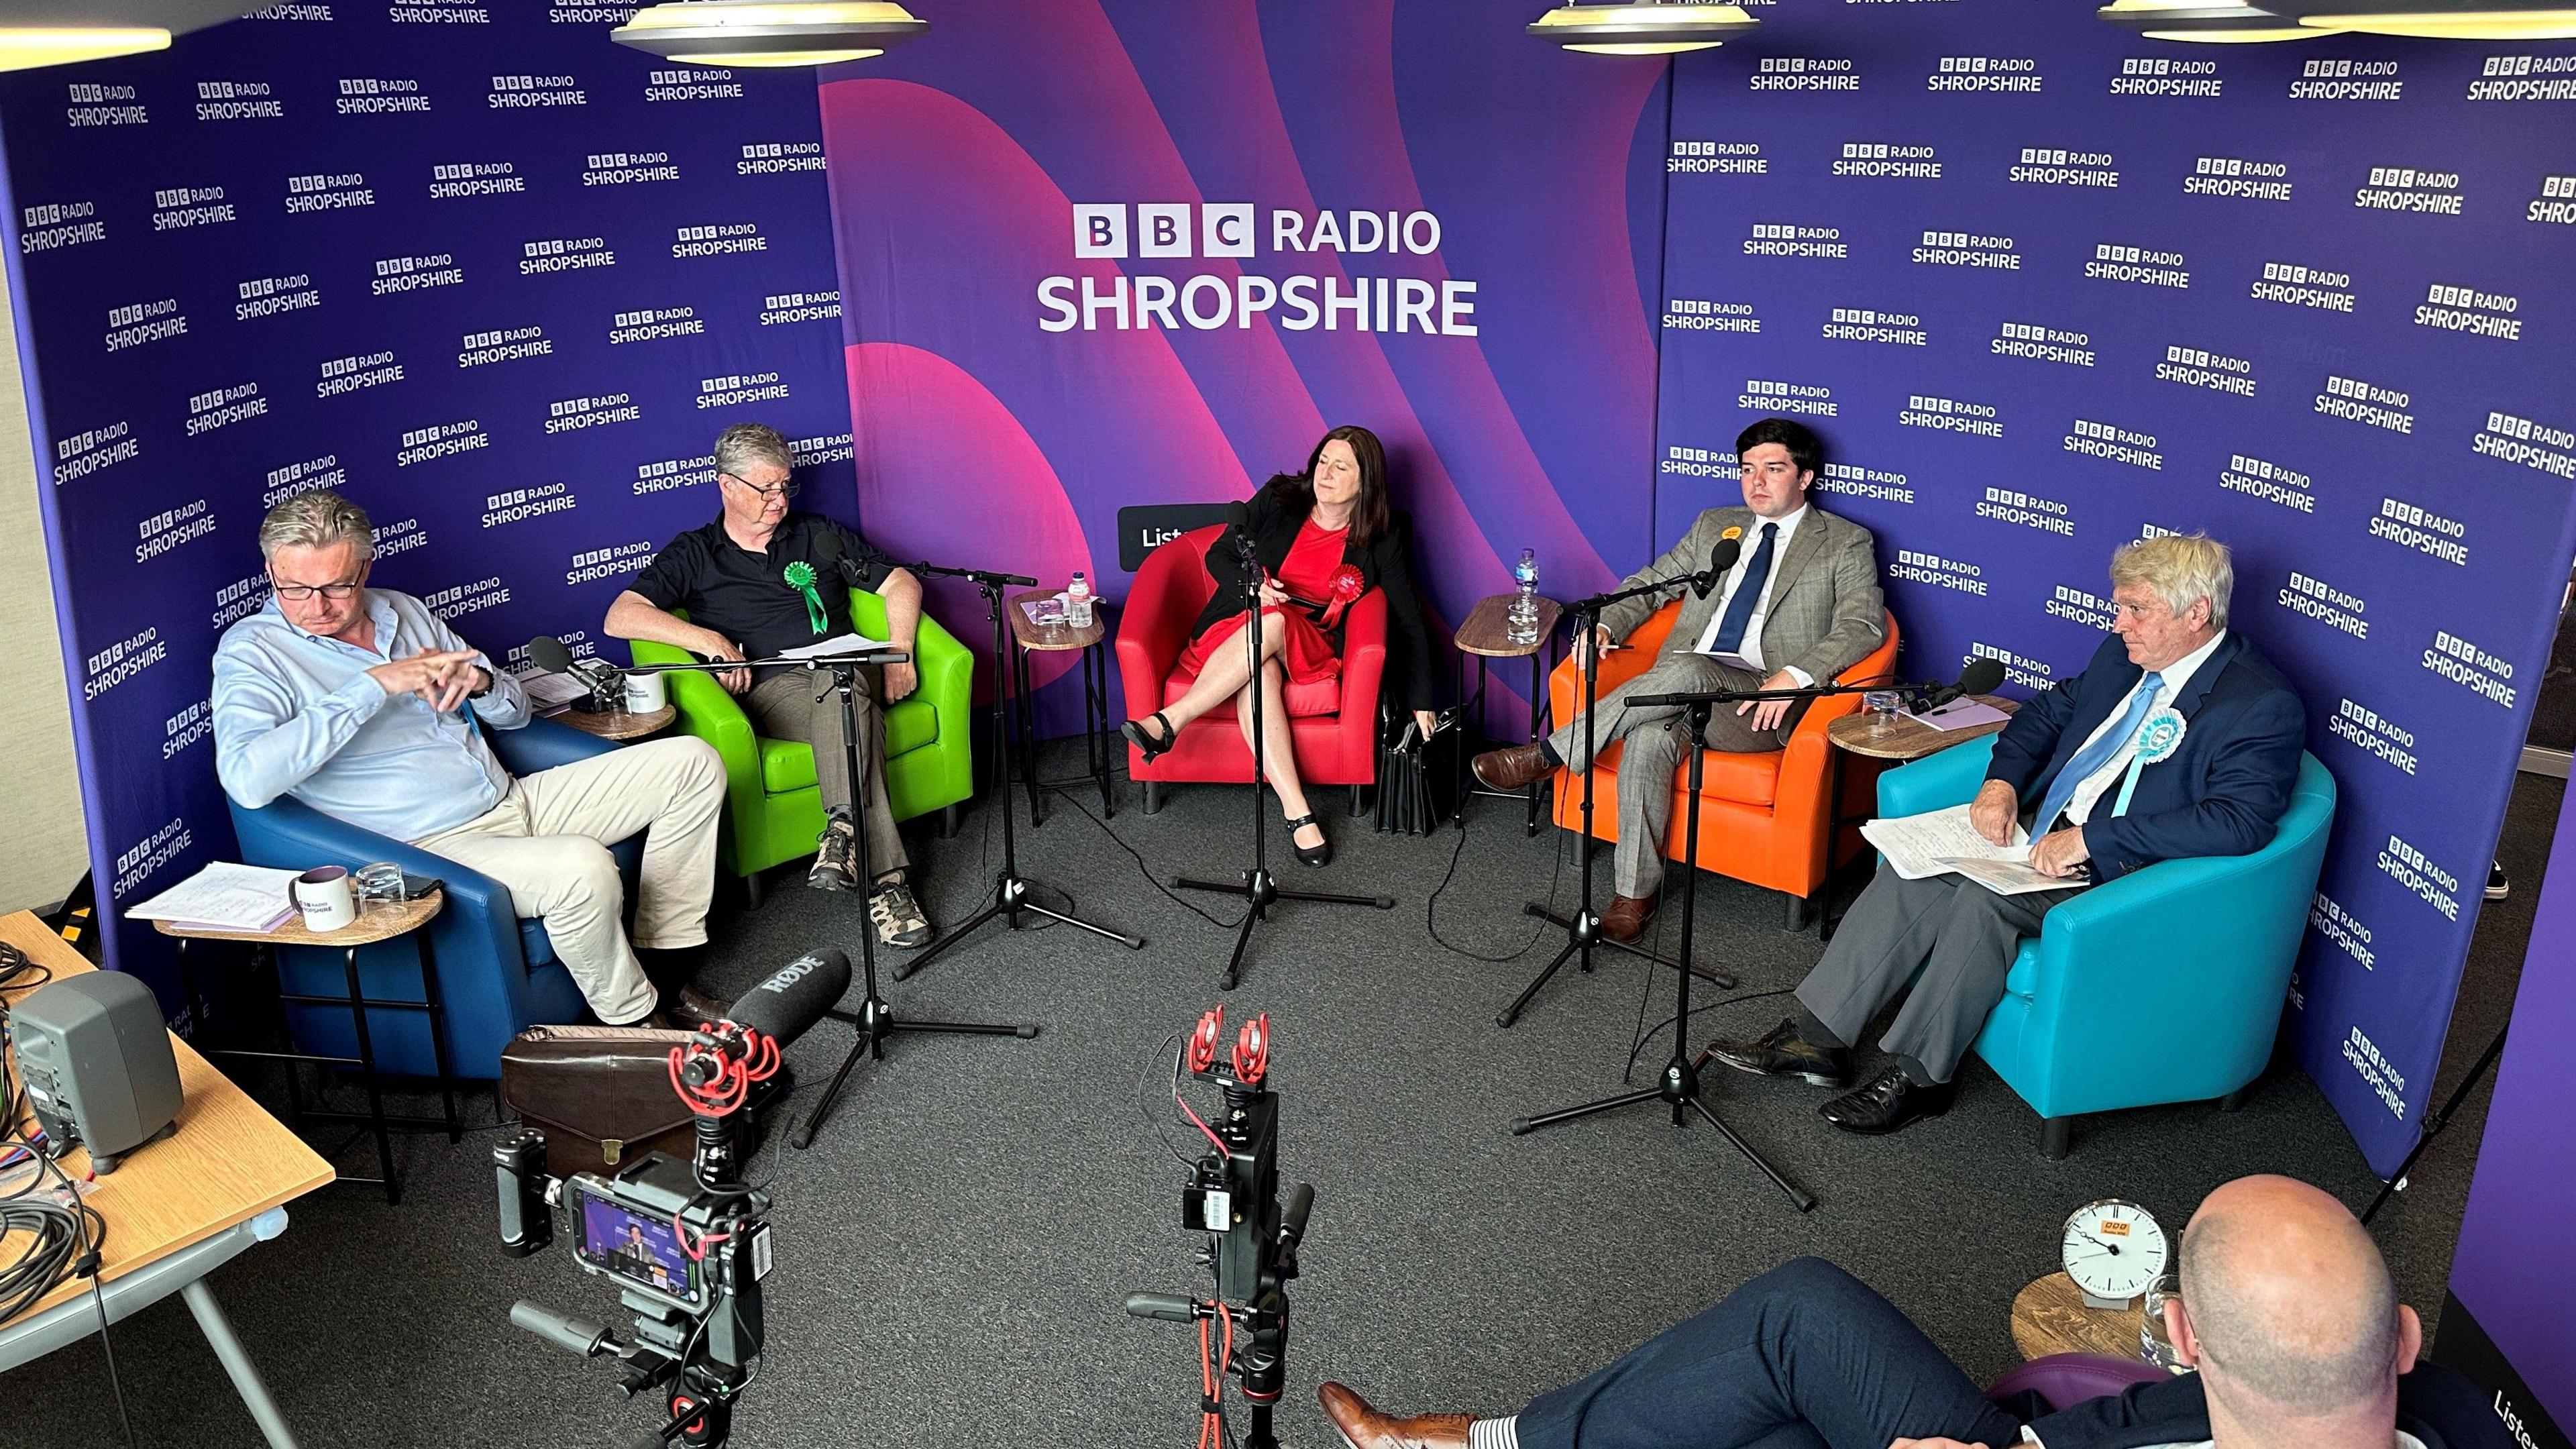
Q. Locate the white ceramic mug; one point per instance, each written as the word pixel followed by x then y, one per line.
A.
pixel 326 900
pixel 645 693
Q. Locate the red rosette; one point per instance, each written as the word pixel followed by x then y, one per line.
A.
pixel 1347 585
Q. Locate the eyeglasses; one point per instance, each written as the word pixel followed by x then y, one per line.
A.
pixel 783 489
pixel 299 593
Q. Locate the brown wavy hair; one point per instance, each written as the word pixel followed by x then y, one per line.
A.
pixel 1372 515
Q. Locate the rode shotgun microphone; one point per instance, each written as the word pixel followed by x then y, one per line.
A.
pixel 1720 559
pixel 794 997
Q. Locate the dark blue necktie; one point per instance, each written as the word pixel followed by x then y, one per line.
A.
pixel 1739 610
pixel 2061 792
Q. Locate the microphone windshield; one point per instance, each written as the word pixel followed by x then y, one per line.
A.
pixel 1982 676
pixel 549 654
pixel 1723 557
pixel 1238 515
pixel 795 996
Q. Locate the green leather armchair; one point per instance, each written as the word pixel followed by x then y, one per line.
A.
pixel 773 811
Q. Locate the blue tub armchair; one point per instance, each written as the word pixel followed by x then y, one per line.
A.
pixel 497 974
pixel 2165 985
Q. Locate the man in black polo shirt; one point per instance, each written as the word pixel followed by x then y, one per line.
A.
pixel 753 583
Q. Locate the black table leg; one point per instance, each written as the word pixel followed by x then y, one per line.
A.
pixel 437 1014
pixel 1095 708
pixel 1538 703
pixel 1025 711
pixel 375 1086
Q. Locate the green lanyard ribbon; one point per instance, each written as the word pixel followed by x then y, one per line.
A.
pixel 800 577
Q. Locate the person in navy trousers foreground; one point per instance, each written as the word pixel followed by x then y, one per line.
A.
pixel 2178 739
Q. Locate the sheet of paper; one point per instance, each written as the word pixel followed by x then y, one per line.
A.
pixel 1920 846
pixel 838 644
pixel 1730 659
pixel 549 689
pixel 226 895
pixel 1959 714
pixel 2008 877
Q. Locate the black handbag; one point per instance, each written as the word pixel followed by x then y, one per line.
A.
pixel 1420 782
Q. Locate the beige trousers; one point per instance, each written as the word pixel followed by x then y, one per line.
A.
pixel 548 842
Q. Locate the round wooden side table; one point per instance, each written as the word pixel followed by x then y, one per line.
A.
pixel 620 725
pixel 2049 1316
pixel 377 921
pixel 1028 636
pixel 1486 634
pixel 1898 741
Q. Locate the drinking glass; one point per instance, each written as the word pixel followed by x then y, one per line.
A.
pixel 382 881
pixel 1882 705
pixel 2153 1346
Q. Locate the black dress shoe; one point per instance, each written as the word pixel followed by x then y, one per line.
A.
pixel 1890 1101
pixel 1781 1052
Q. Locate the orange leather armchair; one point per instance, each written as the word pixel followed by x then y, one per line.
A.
pixel 1762 816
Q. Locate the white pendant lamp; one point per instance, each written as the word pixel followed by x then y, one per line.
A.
pixel 769 32
pixel 25 47
pixel 2438 19
pixel 2207 22
pixel 1644 27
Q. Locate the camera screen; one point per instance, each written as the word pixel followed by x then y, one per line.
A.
pixel 640 1248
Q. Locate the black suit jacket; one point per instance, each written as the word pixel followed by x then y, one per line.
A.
pixel 1385 562
pixel 2436 1403
pixel 2222 793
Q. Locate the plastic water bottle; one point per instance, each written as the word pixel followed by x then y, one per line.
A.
pixel 1077 603
pixel 1522 622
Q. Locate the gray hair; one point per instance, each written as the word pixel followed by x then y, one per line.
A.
pixel 743 444
pixel 2180 567
pixel 316 520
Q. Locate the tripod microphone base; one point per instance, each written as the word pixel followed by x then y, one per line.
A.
pixel 1680 1087
pixel 1010 897
pixel 876 1021
pixel 1582 934
pixel 1259 893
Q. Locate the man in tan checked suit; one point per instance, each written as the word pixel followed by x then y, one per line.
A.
pixel 1800 606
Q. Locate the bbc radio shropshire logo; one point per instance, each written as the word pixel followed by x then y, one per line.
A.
pixel 2454 308
pixel 1717 158
pixel 2138 266
pixel 1942 573
pixel 138 323
pixel 2064 166
pixel 172 527
pixel 2411 189
pixel 2269 481
pixel 380 96
pixel 1986 74
pixel 1805 73
pixel 1851 480
pixel 1231 231
pixel 2346 79
pixel 2200 367
pixel 2310 597
pixel 179 208
pixel 105 105
pixel 1699 314
pixel 1868 324
pixel 2237 178
pixel 1950 415
pixel 1888 160
pixel 1967 249
pixel 2164 75
pixel 2525 78
pixel 1789 239
pixel 2520 441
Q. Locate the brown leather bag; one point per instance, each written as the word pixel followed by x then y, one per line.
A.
pixel 601 1095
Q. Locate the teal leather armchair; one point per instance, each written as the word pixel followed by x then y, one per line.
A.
pixel 2165 985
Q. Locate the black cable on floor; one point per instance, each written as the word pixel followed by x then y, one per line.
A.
pixel 1640 1047
pixel 1431 907
pixel 1147 872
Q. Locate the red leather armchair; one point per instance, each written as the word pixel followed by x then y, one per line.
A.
pixel 1332 726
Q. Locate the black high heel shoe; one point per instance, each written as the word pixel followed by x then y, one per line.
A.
pixel 1134 730
pixel 1321 854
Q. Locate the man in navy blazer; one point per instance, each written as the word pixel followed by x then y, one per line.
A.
pixel 2178 739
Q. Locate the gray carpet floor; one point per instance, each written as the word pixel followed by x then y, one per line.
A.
pixel 953 1250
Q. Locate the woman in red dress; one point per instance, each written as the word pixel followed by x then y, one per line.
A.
pixel 1323 538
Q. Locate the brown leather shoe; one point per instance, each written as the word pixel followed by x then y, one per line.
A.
pixel 1627 917
pixel 1365 1428
pixel 1511 769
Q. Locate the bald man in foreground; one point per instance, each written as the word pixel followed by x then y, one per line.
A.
pixel 2287 1312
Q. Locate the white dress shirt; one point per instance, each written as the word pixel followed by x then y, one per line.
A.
pixel 2087 795
pixel 1751 647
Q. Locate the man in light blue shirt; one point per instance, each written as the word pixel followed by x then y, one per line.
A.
pixel 355 701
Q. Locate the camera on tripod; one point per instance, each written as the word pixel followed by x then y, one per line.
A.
pixel 685 1243
pixel 1233 1197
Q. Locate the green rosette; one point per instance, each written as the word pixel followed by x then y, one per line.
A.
pixel 800 577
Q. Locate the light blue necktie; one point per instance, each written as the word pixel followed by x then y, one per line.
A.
pixel 1739 610
pixel 2097 754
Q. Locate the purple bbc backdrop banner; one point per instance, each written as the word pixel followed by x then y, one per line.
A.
pixel 1106 253
pixel 2507 1323
pixel 495 277
pixel 2046 287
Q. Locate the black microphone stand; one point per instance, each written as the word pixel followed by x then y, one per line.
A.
pixel 1010 888
pixel 1583 932
pixel 1680 1083
pixel 1256 887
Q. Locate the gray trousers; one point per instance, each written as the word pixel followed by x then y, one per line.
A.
pixel 783 707
pixel 1961 935
pixel 1656 745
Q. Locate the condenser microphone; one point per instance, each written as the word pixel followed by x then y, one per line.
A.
pixel 1720 559
pixel 794 997
pixel 605 681
pixel 1982 676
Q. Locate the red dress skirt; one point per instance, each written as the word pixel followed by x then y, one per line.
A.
pixel 1307 651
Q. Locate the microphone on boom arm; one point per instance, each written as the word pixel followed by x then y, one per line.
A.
pixel 1981 676
pixel 605 681
pixel 1720 559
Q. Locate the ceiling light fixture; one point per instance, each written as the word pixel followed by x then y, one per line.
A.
pixel 770 32
pixel 2207 22
pixel 1643 27
pixel 2438 19
pixel 24 47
